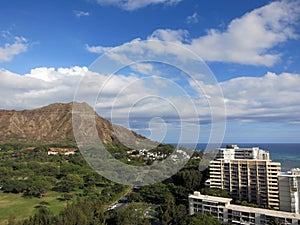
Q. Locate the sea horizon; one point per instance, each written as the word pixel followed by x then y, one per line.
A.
pixel 288 154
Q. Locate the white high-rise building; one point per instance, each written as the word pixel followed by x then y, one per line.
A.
pixel 289 193
pixel 246 174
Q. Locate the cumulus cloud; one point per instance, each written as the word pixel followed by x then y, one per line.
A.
pixel 97 49
pixel 79 13
pixel 147 104
pixel 270 98
pixel 10 50
pixel 40 87
pixel 126 100
pixel 169 35
pixel 252 39
pixel 131 5
pixel 194 18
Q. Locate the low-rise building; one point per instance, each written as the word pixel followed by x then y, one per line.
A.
pixel 223 210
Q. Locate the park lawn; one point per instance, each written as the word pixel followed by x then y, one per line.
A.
pixel 18 207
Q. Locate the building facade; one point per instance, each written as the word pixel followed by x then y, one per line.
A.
pixel 235 152
pixel 223 210
pixel 246 174
pixel 289 193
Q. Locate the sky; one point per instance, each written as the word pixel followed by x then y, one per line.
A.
pixel 172 70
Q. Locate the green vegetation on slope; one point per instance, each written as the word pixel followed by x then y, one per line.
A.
pixel 31 180
pixel 38 189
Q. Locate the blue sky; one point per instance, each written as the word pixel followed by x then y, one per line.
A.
pixel 251 47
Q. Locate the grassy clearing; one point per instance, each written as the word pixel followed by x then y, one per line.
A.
pixel 18 207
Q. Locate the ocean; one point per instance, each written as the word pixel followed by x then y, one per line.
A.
pixel 288 154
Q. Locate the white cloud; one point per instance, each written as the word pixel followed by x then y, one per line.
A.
pixel 131 5
pixel 79 13
pixel 97 49
pixel 169 35
pixel 133 102
pixel 252 39
pixel 144 68
pixel 270 98
pixel 51 74
pixel 7 52
pixel 119 96
pixel 40 87
pixel 193 18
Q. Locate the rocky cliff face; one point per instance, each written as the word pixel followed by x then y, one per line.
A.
pixel 53 124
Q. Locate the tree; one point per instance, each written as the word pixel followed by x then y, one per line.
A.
pixel 72 215
pixel 14 186
pixel 68 168
pixel 37 187
pixel 180 212
pixel 6 172
pixel 214 192
pixel 89 180
pixel 43 217
pixel 168 209
pixel 190 179
pixel 70 182
pixel 155 193
pixel 133 214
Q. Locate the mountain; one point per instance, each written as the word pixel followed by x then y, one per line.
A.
pixel 53 124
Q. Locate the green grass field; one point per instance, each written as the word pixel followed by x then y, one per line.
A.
pixel 18 207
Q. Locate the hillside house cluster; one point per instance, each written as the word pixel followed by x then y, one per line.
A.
pixel 61 151
pixel 149 155
pixel 146 154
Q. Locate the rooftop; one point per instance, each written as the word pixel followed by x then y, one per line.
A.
pixel 267 212
pixel 198 195
pixel 235 152
pixel 292 173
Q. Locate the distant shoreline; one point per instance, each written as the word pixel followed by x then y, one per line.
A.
pixel 288 154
